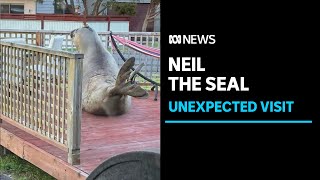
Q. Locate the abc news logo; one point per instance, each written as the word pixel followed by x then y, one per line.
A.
pixel 192 39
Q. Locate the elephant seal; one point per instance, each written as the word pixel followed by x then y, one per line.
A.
pixel 106 90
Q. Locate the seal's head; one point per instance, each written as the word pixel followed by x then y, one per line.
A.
pixel 84 37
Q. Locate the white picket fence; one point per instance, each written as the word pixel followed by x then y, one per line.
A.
pixel 150 39
pixel 99 26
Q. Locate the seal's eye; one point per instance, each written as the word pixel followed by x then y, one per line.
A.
pixel 72 33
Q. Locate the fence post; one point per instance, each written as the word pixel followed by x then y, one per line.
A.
pixel 74 108
pixel 42 22
pixel 109 22
pixel 1 84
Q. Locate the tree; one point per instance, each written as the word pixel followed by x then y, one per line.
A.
pixel 97 7
pixel 153 11
pixel 85 5
pixel 70 6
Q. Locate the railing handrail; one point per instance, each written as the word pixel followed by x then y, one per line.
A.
pixel 66 32
pixel 64 17
pixel 41 49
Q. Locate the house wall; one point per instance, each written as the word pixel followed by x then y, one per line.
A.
pixel 99 26
pixel 45 7
pixel 29 5
pixel 157 24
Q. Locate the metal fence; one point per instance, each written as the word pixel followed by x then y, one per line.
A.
pixel 39 93
pixel 150 39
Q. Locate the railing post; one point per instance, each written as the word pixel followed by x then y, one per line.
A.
pixel 74 108
pixel 40 38
pixel 42 22
pixel 1 84
pixel 109 22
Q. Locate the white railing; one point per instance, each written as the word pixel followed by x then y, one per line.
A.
pixel 151 39
pixel 40 94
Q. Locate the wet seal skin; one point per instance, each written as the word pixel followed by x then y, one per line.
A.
pixel 106 89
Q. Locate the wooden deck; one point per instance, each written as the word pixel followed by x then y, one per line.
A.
pixel 101 138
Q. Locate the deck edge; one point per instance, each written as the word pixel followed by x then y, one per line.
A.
pixel 40 158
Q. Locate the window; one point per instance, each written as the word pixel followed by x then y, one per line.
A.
pixel 61 8
pixel 12 8
pixel 16 9
pixel 4 8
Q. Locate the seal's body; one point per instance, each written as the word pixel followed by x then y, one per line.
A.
pixel 105 89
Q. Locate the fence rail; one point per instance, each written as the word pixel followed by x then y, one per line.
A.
pixel 40 94
pixel 150 39
pixel 63 17
pixel 64 21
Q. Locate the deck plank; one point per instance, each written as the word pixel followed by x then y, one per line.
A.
pixel 105 137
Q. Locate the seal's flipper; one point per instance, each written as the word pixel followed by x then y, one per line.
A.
pixel 123 74
pixel 134 90
pixel 135 72
pixel 123 84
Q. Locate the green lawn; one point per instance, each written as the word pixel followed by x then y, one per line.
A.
pixel 155 77
pixel 21 169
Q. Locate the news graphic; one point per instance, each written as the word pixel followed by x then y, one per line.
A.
pixel 238 94
pixel 187 64
pixel 191 76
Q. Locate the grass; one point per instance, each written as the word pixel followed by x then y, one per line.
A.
pixel 69 49
pixel 21 169
pixel 155 78
pixel 155 45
